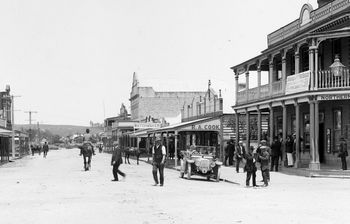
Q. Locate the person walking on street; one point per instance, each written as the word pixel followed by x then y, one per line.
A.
pixel 343 153
pixel 275 153
pixel 158 155
pixel 116 161
pixel 45 149
pixel 250 166
pixel 240 151
pixel 264 161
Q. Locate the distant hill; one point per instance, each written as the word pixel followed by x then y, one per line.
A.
pixel 61 130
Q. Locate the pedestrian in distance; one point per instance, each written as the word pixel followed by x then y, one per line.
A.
pixel 158 155
pixel 116 161
pixel 343 153
pixel 45 149
pixel 264 162
pixel 127 155
pixel 275 153
pixel 240 151
pixel 38 148
pixel 250 166
pixel 32 149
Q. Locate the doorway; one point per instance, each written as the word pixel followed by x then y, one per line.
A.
pixel 321 138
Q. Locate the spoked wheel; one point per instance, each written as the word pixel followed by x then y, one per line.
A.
pixel 189 170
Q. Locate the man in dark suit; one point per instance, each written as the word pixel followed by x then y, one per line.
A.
pixel 250 166
pixel 264 162
pixel 158 155
pixel 240 151
pixel 116 161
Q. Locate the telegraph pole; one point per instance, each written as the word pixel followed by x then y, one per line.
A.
pixel 30 123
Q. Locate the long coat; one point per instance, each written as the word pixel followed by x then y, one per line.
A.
pixel 250 162
pixel 116 157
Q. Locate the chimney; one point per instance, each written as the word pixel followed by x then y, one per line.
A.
pixel 323 2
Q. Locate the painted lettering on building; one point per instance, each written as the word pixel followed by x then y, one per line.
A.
pixel 298 83
pixel 207 127
pixel 334 97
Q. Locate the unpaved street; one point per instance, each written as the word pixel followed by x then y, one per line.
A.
pixel 57 190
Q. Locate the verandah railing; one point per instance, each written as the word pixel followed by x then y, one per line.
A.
pixel 327 80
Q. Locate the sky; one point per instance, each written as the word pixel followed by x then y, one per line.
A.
pixel 72 61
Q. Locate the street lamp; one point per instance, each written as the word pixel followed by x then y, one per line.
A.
pixel 337 67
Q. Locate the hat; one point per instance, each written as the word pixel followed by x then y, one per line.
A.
pixel 158 138
pixel 115 143
pixel 263 141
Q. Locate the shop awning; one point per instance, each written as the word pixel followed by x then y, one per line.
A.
pixel 5 132
pixel 189 124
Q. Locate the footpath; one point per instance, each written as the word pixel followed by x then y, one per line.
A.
pixel 229 174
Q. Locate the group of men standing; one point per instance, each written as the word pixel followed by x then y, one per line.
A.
pixel 262 155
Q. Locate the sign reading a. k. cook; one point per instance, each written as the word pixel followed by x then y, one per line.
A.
pixel 213 125
pixel 334 97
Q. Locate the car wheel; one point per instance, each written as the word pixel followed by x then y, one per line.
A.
pixel 218 174
pixel 189 171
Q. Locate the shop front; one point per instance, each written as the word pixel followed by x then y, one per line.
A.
pixel 204 134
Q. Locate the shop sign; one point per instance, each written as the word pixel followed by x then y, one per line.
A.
pixel 334 97
pixel 3 123
pixel 147 125
pixel 298 83
pixel 213 125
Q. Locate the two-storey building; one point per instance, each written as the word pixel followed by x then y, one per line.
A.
pixel 5 124
pixel 308 89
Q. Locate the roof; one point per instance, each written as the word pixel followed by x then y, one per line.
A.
pixel 5 132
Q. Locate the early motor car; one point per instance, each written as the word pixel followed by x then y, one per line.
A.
pixel 200 160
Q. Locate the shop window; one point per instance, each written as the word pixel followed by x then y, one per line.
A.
pixel 279 125
pixel 337 126
pixel 293 124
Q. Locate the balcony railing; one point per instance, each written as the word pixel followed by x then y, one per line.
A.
pixel 327 80
pixel 259 93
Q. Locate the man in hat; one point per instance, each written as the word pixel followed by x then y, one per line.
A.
pixel 263 157
pixel 116 162
pixel 240 151
pixel 158 155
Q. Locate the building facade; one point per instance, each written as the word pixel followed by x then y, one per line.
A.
pixel 5 125
pixel 146 102
pixel 308 91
